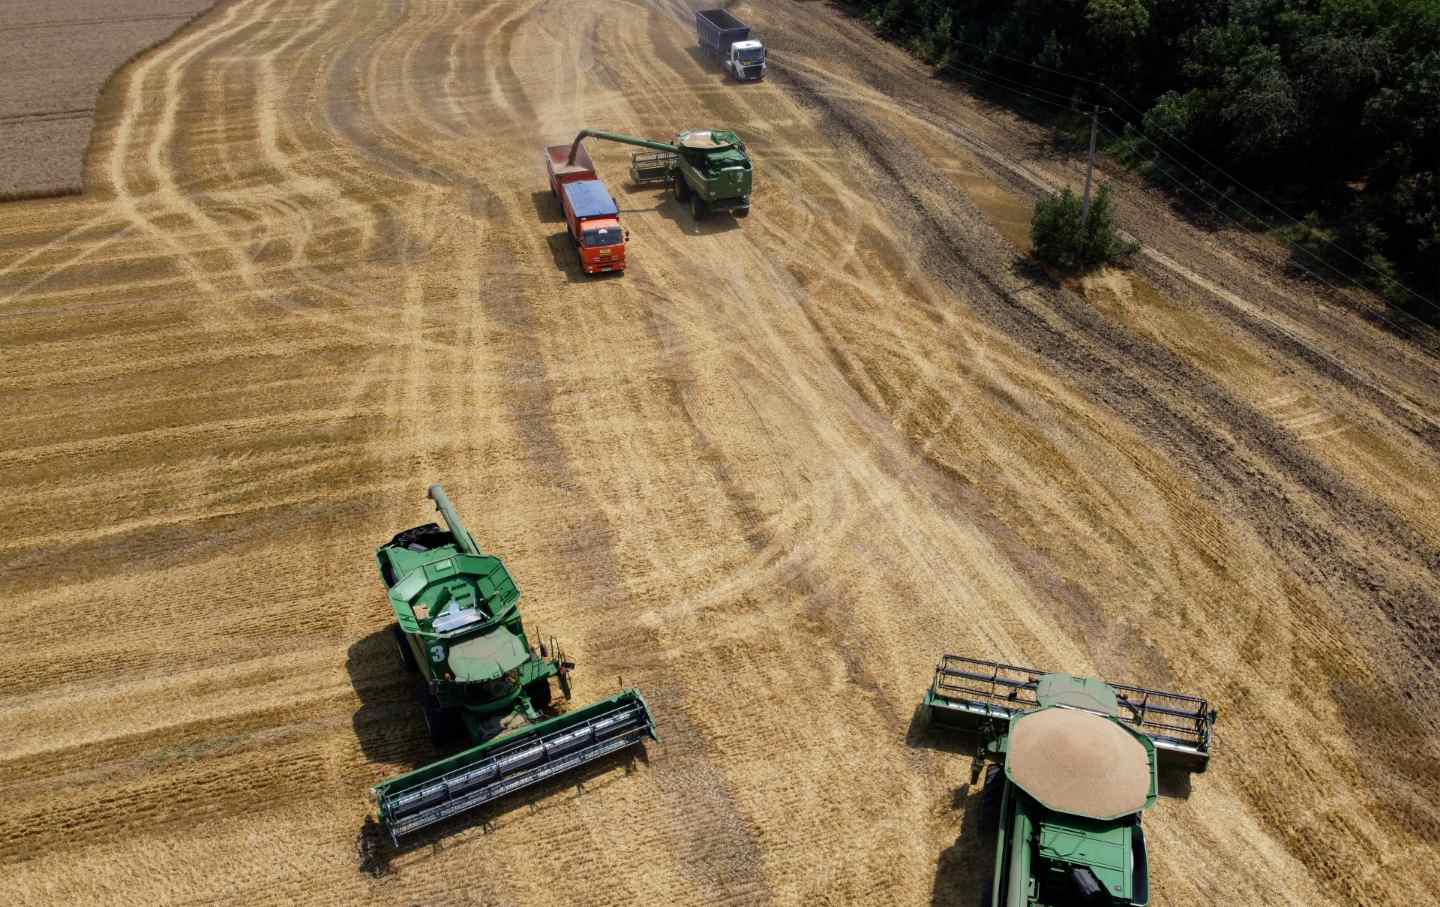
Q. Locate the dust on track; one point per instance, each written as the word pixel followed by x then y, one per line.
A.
pixel 767 476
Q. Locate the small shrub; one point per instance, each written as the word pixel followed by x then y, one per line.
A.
pixel 1063 239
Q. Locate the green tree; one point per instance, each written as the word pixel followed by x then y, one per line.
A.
pixel 1118 22
pixel 1064 239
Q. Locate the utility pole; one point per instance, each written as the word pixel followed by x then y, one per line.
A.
pixel 1090 168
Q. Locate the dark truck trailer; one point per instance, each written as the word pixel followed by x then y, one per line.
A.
pixel 728 40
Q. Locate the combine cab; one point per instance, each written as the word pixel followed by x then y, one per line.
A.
pixel 458 625
pixel 1073 764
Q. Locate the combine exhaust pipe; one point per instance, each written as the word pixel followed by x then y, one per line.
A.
pixel 481 774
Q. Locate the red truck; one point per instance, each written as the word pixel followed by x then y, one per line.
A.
pixel 590 212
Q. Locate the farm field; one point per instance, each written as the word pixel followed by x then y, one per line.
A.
pixel 767 476
pixel 58 55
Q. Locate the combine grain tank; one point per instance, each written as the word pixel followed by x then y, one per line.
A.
pixel 1073 764
pixel 457 623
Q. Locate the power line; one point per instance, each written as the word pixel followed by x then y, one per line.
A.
pixel 1209 163
pixel 1315 256
pixel 986 76
pixel 1064 100
pixel 1420 341
pixel 1337 363
pixel 1161 151
pixel 996 53
pixel 1216 167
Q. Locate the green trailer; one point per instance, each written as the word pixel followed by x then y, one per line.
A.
pixel 1070 764
pixel 458 625
pixel 708 169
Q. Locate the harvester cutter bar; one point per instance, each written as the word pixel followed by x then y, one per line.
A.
pixel 652 166
pixel 973 690
pixel 489 771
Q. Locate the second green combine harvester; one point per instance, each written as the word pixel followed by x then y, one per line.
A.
pixel 709 169
pixel 457 624
pixel 1074 764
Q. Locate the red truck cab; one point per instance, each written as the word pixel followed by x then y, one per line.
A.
pixel 591 216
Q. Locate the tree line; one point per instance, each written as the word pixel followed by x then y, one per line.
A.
pixel 1329 108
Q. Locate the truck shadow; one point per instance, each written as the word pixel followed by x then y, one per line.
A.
pixel 547 207
pixel 709 64
pixel 375 850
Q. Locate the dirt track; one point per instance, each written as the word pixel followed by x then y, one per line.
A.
pixel 767 476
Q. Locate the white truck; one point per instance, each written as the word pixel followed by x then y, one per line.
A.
pixel 727 39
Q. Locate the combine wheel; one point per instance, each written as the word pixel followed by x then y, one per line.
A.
pixel 539 693
pixel 682 189
pixel 402 648
pixel 743 212
pixel 698 208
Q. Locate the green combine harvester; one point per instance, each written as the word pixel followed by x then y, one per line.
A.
pixel 458 625
pixel 709 169
pixel 1072 763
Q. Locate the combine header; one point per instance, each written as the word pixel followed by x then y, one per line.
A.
pixel 458 625
pixel 1073 764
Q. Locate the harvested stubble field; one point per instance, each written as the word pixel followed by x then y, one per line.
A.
pixel 767 476
pixel 55 56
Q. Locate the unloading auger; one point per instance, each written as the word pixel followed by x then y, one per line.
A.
pixel 458 624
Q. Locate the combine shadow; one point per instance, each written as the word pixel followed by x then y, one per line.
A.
pixel 967 866
pixel 920 736
pixel 717 222
pixel 389 724
pixel 1174 783
pixel 375 850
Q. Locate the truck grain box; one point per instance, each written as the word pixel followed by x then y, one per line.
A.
pixel 591 217
pixel 727 39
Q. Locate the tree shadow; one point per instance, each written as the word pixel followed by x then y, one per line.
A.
pixel 1036 274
